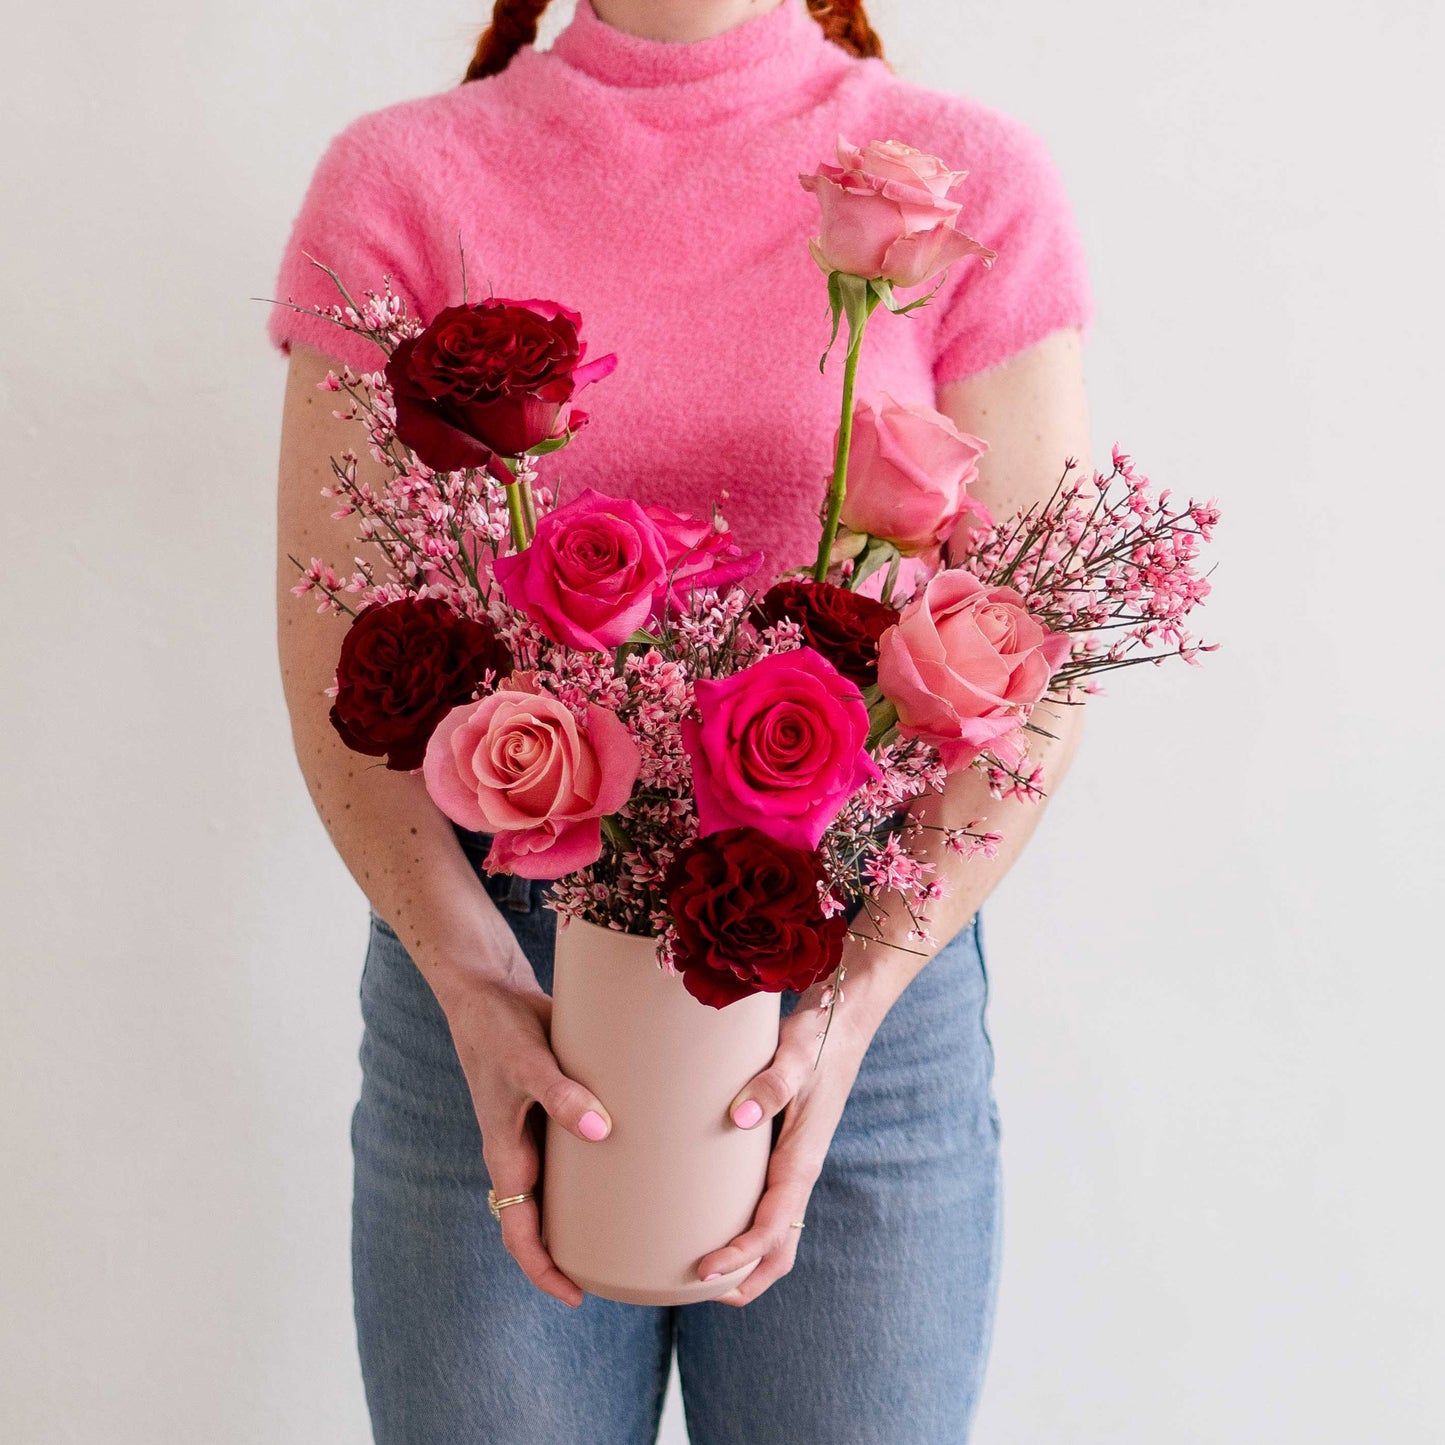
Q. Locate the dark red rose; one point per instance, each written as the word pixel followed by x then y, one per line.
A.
pixel 748 917
pixel 840 624
pixel 404 666
pixel 493 379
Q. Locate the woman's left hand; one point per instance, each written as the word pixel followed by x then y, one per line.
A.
pixel 813 1099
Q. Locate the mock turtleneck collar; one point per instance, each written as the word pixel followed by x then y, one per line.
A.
pixel 781 44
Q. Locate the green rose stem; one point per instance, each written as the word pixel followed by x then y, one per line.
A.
pixel 517 515
pixel 520 512
pixel 855 297
pixel 529 507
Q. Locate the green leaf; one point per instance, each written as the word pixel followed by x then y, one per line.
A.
pixel 853 297
pixel 835 305
pixel 878 554
pixel 856 293
pixel 882 722
pixel 889 583
pixel 550 445
pixel 892 303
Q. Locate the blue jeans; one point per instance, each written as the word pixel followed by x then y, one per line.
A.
pixel 877 1336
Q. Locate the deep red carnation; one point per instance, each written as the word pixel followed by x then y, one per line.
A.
pixel 404 666
pixel 840 624
pixel 492 379
pixel 748 917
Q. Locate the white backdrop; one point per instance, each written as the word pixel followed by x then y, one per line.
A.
pixel 1219 1078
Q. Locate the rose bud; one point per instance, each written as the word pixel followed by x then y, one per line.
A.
pixel 965 663
pixel 494 378
pixel 748 919
pixel 404 665
pixel 909 471
pixel 842 625
pixel 886 214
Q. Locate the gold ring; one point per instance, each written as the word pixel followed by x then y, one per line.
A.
pixel 797 1224
pixel 498 1205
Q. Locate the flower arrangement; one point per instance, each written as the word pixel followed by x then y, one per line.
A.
pixel 595 684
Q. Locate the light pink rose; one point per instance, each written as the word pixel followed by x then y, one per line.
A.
pixel 699 554
pixel 886 214
pixel 963 664
pixel 780 748
pixel 909 471
pixel 518 764
pixel 589 577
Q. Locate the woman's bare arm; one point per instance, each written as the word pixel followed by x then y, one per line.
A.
pixel 399 847
pixel 1032 413
pixel 403 853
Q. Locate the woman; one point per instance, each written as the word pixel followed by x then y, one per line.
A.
pixel 644 172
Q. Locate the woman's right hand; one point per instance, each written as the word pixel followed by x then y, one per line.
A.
pixel 499 1023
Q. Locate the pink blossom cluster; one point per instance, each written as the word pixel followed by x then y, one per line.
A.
pixel 1112 563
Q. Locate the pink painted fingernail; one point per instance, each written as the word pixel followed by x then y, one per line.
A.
pixel 708 1278
pixel 592 1125
pixel 747 1113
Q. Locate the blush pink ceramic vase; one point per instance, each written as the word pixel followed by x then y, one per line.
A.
pixel 629 1217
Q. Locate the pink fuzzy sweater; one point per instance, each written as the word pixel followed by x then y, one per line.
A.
pixel 653 186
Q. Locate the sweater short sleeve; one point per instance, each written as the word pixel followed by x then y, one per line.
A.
pixel 1013 202
pixel 359 219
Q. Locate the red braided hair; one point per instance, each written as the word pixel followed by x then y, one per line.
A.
pixel 845 24
pixel 514 24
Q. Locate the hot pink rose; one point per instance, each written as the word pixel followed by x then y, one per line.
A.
pixel 520 765
pixel 590 575
pixel 699 554
pixel 909 471
pixel 886 214
pixel 963 663
pixel 780 748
